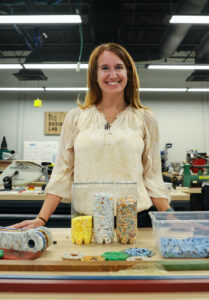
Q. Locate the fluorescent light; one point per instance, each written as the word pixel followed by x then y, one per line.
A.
pixel 66 89
pixel 190 19
pixel 74 89
pixel 163 89
pixel 25 89
pixel 55 66
pixel 198 90
pixel 178 67
pixel 10 66
pixel 40 19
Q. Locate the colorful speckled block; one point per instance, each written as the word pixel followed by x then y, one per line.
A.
pixel 103 218
pixel 126 213
pixel 31 240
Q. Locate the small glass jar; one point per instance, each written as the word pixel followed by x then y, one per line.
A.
pixel 126 212
pixel 103 212
pixel 81 212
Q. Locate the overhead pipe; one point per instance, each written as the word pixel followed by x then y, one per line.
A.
pixel 175 34
pixel 202 53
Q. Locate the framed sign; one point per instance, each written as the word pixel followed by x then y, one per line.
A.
pixel 53 122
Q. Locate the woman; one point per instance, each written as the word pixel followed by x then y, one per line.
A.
pixel 111 137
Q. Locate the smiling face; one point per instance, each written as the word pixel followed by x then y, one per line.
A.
pixel 111 73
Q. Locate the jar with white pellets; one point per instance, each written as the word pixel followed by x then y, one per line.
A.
pixel 82 212
pixel 126 212
pixel 103 212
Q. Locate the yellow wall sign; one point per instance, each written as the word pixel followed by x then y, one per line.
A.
pixel 53 122
pixel 37 102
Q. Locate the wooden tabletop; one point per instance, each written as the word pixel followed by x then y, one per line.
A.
pixel 53 255
pixel 25 195
pixel 38 195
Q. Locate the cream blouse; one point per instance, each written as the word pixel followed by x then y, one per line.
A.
pixel 128 151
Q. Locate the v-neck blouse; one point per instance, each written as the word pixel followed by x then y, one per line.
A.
pixel 127 151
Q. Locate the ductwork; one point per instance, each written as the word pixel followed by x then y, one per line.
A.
pixel 175 34
pixel 58 54
pixel 105 22
pixel 202 53
pixel 100 23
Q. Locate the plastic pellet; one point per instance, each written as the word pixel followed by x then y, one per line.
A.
pixel 103 218
pixel 126 213
pixel 196 247
pixel 139 252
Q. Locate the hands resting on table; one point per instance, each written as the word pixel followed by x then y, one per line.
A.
pixel 28 224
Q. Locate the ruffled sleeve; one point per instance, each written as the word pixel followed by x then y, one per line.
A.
pixel 63 172
pixel 151 158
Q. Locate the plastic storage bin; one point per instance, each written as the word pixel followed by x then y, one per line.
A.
pixel 181 234
pixel 126 212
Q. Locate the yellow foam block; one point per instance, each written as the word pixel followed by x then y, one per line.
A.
pixel 81 231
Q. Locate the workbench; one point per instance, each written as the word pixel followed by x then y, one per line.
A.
pixel 38 195
pixel 15 207
pixel 50 274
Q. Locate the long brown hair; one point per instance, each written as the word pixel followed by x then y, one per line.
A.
pixel 94 94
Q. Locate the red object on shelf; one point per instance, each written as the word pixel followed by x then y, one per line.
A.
pixel 198 162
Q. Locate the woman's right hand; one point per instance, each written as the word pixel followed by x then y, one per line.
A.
pixel 28 224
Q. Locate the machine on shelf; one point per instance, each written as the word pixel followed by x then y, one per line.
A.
pixel 4 152
pixel 195 179
pixel 164 156
pixel 196 170
pixel 22 172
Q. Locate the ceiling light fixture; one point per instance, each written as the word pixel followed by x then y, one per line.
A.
pixel 40 19
pixel 10 66
pixel 24 89
pixel 66 89
pixel 189 19
pixel 163 89
pixel 178 67
pixel 54 66
pixel 84 89
pixel 198 89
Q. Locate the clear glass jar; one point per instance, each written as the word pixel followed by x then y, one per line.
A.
pixel 126 212
pixel 81 212
pixel 103 212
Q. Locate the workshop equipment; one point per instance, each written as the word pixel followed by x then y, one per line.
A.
pixel 164 156
pixel 4 149
pixel 45 170
pixel 189 179
pixel 196 159
pixel 20 173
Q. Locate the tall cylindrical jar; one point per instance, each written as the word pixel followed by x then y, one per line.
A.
pixel 126 212
pixel 103 212
pixel 81 212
